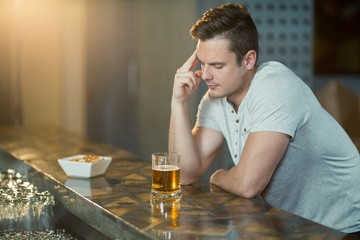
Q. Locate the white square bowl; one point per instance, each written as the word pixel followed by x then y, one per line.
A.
pixel 84 169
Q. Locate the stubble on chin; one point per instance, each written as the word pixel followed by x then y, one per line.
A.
pixel 214 94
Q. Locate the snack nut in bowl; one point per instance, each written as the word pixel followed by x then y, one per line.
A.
pixel 85 166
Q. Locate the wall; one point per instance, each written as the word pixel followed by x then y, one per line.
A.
pixel 41 63
pixel 351 82
pixel 73 75
pixel 6 105
pixel 133 50
pixel 45 81
pixel 39 66
pixel 164 44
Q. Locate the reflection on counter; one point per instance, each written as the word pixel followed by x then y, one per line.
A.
pixel 168 214
pixel 87 187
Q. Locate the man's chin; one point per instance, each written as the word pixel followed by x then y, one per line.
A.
pixel 215 94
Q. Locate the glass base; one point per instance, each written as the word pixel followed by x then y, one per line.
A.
pixel 175 196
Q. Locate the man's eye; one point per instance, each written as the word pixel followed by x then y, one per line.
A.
pixel 218 66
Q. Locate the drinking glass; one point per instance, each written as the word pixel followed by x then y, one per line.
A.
pixel 166 176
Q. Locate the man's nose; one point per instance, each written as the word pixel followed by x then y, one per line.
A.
pixel 206 73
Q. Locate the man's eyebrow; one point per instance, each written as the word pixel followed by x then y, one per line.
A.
pixel 212 63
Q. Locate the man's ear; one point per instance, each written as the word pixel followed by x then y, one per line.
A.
pixel 250 60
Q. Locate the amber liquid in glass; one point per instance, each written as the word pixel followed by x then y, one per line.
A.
pixel 166 179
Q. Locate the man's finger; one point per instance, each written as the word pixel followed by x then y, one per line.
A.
pixel 191 62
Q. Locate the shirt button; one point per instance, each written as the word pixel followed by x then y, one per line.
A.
pixel 237 121
pixel 244 129
pixel 232 111
pixel 235 156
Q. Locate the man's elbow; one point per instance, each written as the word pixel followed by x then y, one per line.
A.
pixel 247 191
pixel 247 194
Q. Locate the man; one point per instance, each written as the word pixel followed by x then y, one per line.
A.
pixel 285 146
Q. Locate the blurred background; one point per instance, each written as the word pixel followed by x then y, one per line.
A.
pixel 104 68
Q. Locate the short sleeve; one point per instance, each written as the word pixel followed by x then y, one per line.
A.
pixel 277 108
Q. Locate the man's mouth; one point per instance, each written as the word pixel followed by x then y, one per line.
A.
pixel 212 86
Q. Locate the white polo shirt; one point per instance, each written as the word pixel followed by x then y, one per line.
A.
pixel 318 177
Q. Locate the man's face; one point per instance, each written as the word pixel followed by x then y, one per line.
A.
pixel 220 70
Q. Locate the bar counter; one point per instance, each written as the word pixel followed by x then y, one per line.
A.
pixel 117 203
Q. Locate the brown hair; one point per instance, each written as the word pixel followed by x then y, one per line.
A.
pixel 229 21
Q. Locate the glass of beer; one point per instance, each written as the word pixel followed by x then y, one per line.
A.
pixel 165 176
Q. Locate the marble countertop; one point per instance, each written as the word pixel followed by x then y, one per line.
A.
pixel 118 205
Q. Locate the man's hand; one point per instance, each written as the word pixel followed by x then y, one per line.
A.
pixel 186 80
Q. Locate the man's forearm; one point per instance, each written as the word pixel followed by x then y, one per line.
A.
pixel 182 142
pixel 227 180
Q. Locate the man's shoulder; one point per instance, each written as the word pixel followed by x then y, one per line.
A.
pixel 272 68
pixel 273 74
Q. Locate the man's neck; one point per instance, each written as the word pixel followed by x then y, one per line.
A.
pixel 238 100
